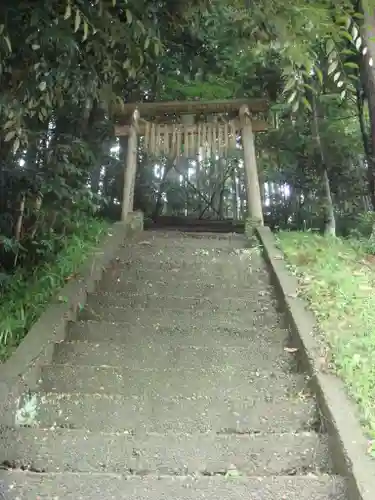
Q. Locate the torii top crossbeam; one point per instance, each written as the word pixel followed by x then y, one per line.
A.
pixel 165 108
pixel 167 114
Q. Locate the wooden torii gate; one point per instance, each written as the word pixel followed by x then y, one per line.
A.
pixel 177 129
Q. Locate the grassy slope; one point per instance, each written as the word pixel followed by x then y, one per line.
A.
pixel 27 297
pixel 337 278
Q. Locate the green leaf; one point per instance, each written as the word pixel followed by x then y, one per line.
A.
pixel 353 77
pixel 35 46
pixel 16 145
pixel 42 86
pixel 68 11
pixel 289 84
pixel 295 106
pixel 306 103
pixel 77 21
pixel 10 136
pixel 7 41
pixel 330 45
pixel 309 87
pixel 147 43
pixel 319 74
pixel 336 76
pixel 346 35
pixel 342 19
pixel 85 30
pixel 332 57
pixel 292 97
pixel 332 67
pixel 156 48
pixel 47 100
pixel 351 65
pixel 348 52
pixel 141 26
pixel 129 17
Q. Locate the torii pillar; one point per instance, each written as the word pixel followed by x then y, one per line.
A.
pixel 254 201
pixel 130 168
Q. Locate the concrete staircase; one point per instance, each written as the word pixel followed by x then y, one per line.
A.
pixel 175 384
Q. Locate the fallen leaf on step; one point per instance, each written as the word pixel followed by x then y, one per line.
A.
pixel 322 364
pixel 145 243
pixel 232 472
pixel 290 349
pixel 278 257
pixel 69 278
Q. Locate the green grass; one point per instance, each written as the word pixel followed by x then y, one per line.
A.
pixel 337 277
pixel 26 298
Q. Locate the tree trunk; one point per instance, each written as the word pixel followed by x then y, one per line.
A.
pixel 234 195
pixel 329 213
pixel 130 171
pixel 217 201
pixel 330 222
pixel 368 80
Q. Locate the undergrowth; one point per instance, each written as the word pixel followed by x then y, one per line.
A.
pixel 337 277
pixel 27 293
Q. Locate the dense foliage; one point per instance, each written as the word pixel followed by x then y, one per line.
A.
pixel 66 65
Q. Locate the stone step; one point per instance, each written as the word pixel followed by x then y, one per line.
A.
pixel 177 335
pixel 207 264
pixel 224 273
pixel 219 301
pixel 195 256
pixel 184 246
pixel 195 259
pixel 62 450
pixel 108 487
pixel 217 275
pixel 168 234
pixel 211 382
pixel 165 286
pixel 144 245
pixel 257 315
pixel 160 355
pixel 110 413
pixel 170 240
pixel 233 259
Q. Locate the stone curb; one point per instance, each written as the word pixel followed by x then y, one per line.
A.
pixel 20 373
pixel 348 444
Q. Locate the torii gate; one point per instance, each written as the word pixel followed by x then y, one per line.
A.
pixel 176 129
